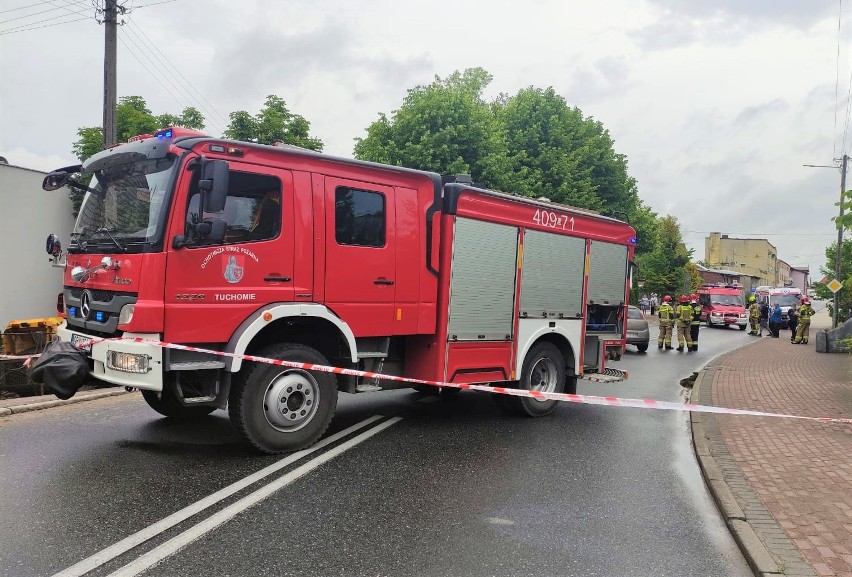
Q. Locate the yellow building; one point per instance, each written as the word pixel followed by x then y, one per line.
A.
pixel 752 256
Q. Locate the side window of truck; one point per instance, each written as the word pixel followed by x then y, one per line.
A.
pixel 359 217
pixel 252 209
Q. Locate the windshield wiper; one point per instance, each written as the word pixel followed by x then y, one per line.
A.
pixel 120 246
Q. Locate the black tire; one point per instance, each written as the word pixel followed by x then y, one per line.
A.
pixel 304 401
pixel 709 324
pixel 642 348
pixel 166 404
pixel 544 370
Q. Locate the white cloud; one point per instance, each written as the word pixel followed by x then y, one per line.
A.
pixel 715 104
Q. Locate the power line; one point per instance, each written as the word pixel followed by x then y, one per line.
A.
pixel 68 6
pixel 166 74
pixel 29 16
pixel 28 27
pixel 207 107
pixel 153 4
pixel 20 8
pixel 157 78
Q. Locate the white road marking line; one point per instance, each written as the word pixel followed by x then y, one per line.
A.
pixel 128 543
pixel 171 546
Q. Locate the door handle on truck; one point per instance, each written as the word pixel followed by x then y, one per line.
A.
pixel 382 281
pixel 277 278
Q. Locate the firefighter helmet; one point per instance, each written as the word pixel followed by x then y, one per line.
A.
pixel 667 299
pixel 805 300
pixel 683 299
pixel 693 297
pixel 751 298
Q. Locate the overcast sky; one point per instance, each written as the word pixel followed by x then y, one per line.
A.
pixel 717 104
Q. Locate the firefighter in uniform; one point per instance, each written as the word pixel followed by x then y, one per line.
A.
pixel 805 314
pixel 753 315
pixel 696 321
pixel 683 316
pixel 665 312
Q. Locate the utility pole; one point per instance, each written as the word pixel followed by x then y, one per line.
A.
pixel 839 238
pixel 110 60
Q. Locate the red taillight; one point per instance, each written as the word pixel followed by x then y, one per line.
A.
pixel 60 303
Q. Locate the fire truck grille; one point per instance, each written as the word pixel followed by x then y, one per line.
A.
pixel 98 295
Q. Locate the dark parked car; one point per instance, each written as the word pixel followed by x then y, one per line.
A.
pixel 638 333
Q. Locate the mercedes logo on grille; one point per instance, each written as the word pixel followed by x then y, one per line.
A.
pixel 85 305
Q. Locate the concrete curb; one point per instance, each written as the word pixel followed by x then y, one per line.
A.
pixel 708 442
pixel 39 405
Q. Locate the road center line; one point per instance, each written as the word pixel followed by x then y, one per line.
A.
pixel 171 546
pixel 128 543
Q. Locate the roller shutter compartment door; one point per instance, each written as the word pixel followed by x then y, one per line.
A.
pixel 552 275
pixel 482 288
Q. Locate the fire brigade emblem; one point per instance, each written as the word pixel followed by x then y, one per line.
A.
pixel 233 272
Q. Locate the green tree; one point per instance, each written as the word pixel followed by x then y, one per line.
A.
pixel 830 271
pixel 532 144
pixel 274 123
pixel 444 127
pixel 665 269
pixel 846 220
pixel 132 118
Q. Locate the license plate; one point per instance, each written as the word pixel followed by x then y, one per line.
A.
pixel 81 342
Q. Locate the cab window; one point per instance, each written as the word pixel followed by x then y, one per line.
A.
pixel 252 209
pixel 359 217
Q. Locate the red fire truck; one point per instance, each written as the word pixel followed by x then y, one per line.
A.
pixel 722 305
pixel 295 255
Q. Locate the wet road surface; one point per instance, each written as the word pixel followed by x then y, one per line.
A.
pixel 454 487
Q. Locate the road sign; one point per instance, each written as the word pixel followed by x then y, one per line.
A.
pixel 834 285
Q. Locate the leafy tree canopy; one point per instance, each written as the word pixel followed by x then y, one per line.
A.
pixel 445 127
pixel 532 144
pixel 132 117
pixel 666 269
pixel 274 123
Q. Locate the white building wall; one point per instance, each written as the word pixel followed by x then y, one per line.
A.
pixel 28 284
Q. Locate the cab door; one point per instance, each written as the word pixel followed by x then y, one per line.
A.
pixel 211 288
pixel 360 264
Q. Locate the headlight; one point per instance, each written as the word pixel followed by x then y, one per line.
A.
pixel 716 314
pixel 128 362
pixel 126 314
pixel 742 315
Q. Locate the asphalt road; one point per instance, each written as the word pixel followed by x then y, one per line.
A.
pixel 453 487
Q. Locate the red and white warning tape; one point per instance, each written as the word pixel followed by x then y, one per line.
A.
pixel 565 397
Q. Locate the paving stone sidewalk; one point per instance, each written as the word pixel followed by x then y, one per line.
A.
pixel 784 486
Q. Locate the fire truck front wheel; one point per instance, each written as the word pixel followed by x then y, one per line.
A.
pixel 279 409
pixel 543 370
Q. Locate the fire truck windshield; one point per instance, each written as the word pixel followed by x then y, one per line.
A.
pixel 124 208
pixel 726 300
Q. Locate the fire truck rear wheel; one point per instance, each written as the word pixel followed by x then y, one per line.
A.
pixel 279 409
pixel 167 405
pixel 543 370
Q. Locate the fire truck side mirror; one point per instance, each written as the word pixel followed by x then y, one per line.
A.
pixel 55 180
pixel 53 246
pixel 214 184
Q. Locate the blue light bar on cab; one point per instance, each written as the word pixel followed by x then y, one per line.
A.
pixel 164 134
